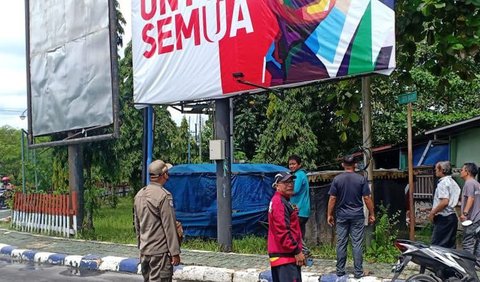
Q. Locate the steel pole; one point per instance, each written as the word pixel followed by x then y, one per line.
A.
pixel 224 192
pixel 23 162
pixel 188 139
pixel 75 179
pixel 200 139
pixel 149 152
pixel 35 169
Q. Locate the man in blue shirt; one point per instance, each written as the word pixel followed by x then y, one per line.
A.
pixel 301 191
pixel 346 192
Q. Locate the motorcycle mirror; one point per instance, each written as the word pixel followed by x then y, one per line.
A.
pixel 467 223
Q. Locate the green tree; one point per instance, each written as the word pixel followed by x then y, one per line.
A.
pixel 128 147
pixel 438 47
pixel 206 135
pixel 250 121
pixel 288 130
pixel 166 132
pixel 10 154
pixel 182 143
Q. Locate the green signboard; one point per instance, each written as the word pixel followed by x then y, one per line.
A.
pixel 407 98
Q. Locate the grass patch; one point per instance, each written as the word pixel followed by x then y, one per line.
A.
pixel 200 244
pixel 327 251
pixel 113 224
pixel 424 234
pixel 250 245
pixel 116 225
pixel 5 225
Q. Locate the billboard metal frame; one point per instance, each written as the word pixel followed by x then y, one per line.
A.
pixel 73 139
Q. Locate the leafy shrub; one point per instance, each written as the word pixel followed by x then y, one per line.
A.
pixel 382 248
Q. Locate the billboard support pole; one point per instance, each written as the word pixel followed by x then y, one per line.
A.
pixel 144 147
pixel 75 178
pixel 223 171
pixel 147 142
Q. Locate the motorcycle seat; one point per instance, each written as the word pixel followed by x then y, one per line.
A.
pixel 460 253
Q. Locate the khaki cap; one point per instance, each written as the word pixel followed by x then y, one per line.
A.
pixel 158 167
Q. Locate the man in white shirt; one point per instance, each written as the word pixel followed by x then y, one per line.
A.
pixel 443 214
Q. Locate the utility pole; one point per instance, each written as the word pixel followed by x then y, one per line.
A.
pixel 367 144
pixel 367 129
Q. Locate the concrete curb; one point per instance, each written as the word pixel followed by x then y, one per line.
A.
pixel 181 272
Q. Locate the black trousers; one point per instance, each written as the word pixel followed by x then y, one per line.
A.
pixel 287 273
pixel 445 230
pixel 303 223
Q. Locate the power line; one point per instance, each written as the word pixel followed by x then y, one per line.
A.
pixel 11 110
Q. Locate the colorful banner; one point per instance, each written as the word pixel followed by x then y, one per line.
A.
pixel 187 50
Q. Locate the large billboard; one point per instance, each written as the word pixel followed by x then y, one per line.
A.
pixel 187 50
pixel 70 71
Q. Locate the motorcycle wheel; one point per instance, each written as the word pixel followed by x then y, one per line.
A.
pixel 421 278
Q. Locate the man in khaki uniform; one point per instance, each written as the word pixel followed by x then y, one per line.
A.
pixel 155 226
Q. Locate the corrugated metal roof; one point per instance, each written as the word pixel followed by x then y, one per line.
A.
pixel 473 122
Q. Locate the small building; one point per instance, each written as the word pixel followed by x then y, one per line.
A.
pixel 458 142
pixel 463 139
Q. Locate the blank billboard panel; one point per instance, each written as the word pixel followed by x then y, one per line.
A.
pixel 69 65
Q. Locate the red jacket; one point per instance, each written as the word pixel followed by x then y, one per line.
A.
pixel 284 235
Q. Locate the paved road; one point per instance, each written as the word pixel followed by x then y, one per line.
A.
pixel 4 213
pixel 15 271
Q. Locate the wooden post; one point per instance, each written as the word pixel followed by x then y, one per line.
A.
pixel 411 186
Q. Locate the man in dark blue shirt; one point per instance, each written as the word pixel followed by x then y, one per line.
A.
pixel 347 191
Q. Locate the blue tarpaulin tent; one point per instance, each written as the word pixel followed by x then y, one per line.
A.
pixel 194 191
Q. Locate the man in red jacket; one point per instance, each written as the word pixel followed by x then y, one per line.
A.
pixel 284 234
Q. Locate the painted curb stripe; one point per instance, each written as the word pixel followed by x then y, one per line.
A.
pixel 42 257
pixel 28 255
pixel 17 253
pixel 6 249
pixel 129 265
pixel 58 259
pixel 90 262
pixel 132 265
pixel 110 263
pixel 73 261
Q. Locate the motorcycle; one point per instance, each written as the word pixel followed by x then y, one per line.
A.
pixel 3 197
pixel 443 264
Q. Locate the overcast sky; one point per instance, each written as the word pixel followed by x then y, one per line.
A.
pixel 13 89
pixel 12 63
